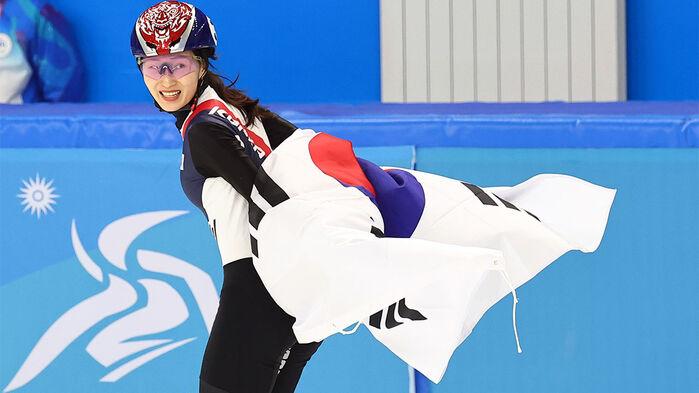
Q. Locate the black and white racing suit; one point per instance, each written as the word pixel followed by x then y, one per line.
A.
pixel 251 336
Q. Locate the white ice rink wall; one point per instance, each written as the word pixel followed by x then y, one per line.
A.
pixel 503 50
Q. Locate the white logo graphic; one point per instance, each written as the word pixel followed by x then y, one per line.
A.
pixel 5 45
pixel 38 195
pixel 164 310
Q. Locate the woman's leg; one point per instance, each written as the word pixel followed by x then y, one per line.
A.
pixel 250 335
pixel 293 366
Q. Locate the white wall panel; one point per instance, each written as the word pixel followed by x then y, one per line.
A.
pixel 487 52
pixel 581 53
pixel 416 50
pixel 557 53
pixel 534 50
pixel 610 50
pixel 440 51
pixel 463 38
pixel 392 60
pixel 503 50
pixel 511 51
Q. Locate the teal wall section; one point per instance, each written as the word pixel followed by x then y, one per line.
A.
pixel 621 319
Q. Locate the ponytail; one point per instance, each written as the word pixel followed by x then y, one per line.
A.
pixel 250 108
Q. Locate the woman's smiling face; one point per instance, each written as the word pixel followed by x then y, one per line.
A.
pixel 172 79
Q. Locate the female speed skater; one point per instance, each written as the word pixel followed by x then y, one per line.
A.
pixel 252 336
pixel 334 240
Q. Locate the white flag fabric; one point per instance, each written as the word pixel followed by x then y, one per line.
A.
pixel 318 247
pixel 328 271
pixel 573 216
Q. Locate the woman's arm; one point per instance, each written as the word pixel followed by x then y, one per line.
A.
pixel 216 152
pixel 277 129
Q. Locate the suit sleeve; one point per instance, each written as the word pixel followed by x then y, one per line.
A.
pixel 216 152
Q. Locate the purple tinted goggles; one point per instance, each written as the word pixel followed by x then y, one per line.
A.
pixel 176 66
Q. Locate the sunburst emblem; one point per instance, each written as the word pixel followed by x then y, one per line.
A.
pixel 38 196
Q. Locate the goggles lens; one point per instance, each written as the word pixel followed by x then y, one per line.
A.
pixel 176 66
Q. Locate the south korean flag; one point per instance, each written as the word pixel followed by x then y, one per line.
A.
pixel 532 224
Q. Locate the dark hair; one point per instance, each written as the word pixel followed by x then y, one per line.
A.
pixel 250 108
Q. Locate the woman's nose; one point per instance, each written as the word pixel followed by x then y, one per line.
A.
pixel 167 80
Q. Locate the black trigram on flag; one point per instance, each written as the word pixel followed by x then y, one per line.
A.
pixel 391 322
pixel 487 200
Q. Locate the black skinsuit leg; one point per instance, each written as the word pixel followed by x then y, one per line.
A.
pixel 250 335
pixel 291 371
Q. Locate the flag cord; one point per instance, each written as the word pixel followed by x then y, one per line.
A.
pixel 514 307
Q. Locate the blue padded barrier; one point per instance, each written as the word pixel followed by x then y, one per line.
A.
pixel 629 124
